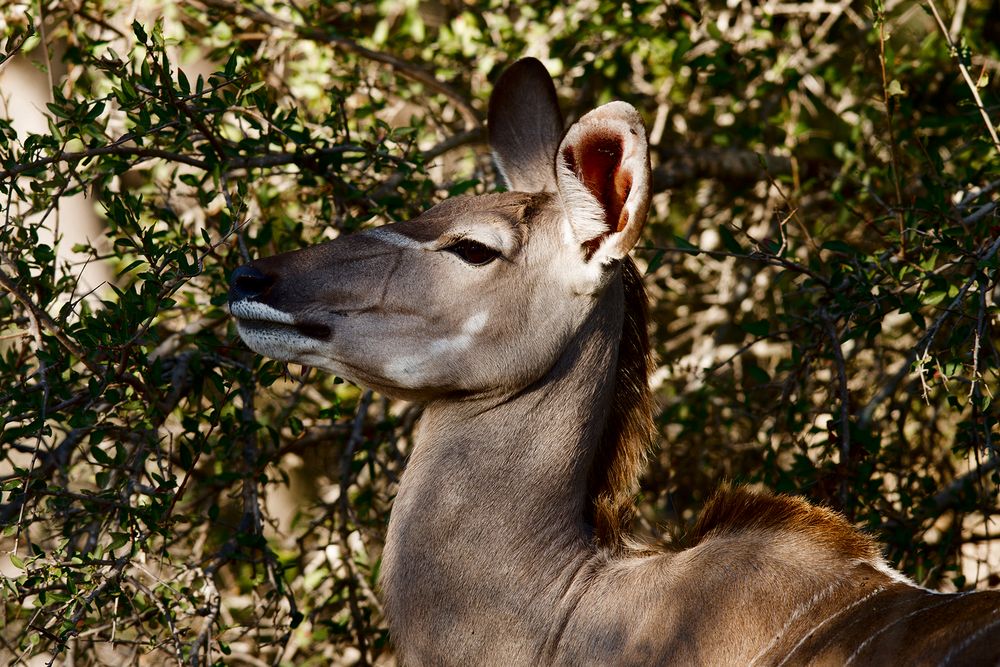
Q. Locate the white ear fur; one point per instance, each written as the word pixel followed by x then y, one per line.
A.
pixel 603 174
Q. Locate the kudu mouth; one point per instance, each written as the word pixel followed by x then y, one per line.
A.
pixel 313 330
pixel 247 286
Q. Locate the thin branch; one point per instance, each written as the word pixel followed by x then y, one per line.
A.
pixel 680 166
pixel 976 193
pixel 950 496
pixel 251 521
pixel 845 417
pixel 48 462
pixel 973 88
pixel 15 48
pixel 346 460
pixel 756 256
pixel 231 164
pixel 921 348
pixel 890 126
pixel 980 213
pixel 774 335
pixel 474 136
pixel 677 169
pixel 957 19
pixel 9 284
pixel 469 137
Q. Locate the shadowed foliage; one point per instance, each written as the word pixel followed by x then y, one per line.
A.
pixel 822 275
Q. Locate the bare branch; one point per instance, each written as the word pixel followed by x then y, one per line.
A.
pixel 681 166
pixel 845 417
pixel 230 164
pixel 346 460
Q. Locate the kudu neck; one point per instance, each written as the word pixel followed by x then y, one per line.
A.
pixel 537 441
pixel 488 527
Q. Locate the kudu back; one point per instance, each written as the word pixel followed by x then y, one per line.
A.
pixel 519 319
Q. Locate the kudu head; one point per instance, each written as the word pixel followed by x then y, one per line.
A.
pixel 478 294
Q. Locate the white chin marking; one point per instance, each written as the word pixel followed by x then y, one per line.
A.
pixel 254 310
pixel 281 344
pixel 287 346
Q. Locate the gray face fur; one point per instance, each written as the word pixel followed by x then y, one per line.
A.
pixel 401 310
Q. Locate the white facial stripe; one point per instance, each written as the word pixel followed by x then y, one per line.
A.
pixel 394 238
pixel 407 370
pixel 254 310
pixel 475 324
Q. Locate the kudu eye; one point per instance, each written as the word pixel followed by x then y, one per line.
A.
pixel 473 252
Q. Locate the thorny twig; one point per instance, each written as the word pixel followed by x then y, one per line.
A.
pixel 845 417
pixel 920 350
pixel 346 476
pixel 10 285
pixel 893 147
pixel 973 88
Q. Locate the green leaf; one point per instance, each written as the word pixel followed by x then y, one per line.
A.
pixel 655 261
pixel 57 110
pixel 756 327
pixel 100 455
pixel 132 265
pixel 139 31
pixel 118 540
pixel 838 246
pixel 729 241
pixel 934 298
pixel 683 244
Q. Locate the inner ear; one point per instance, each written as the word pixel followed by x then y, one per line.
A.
pixel 599 168
pixel 602 169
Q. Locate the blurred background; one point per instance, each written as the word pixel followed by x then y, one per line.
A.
pixel 821 257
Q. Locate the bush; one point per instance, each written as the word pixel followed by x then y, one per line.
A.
pixel 822 256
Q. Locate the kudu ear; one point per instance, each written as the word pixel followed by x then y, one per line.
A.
pixel 525 126
pixel 603 174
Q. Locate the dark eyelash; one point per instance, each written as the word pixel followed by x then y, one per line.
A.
pixel 473 252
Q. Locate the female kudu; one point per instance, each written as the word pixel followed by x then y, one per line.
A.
pixel 519 319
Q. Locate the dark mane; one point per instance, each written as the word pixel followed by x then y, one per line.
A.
pixel 738 510
pixel 614 475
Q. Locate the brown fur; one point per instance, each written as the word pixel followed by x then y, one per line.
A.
pixel 739 510
pixel 614 476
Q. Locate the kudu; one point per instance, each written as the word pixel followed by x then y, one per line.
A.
pixel 519 319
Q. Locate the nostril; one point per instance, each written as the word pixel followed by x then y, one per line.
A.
pixel 248 282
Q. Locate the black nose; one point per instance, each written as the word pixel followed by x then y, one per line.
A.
pixel 248 282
